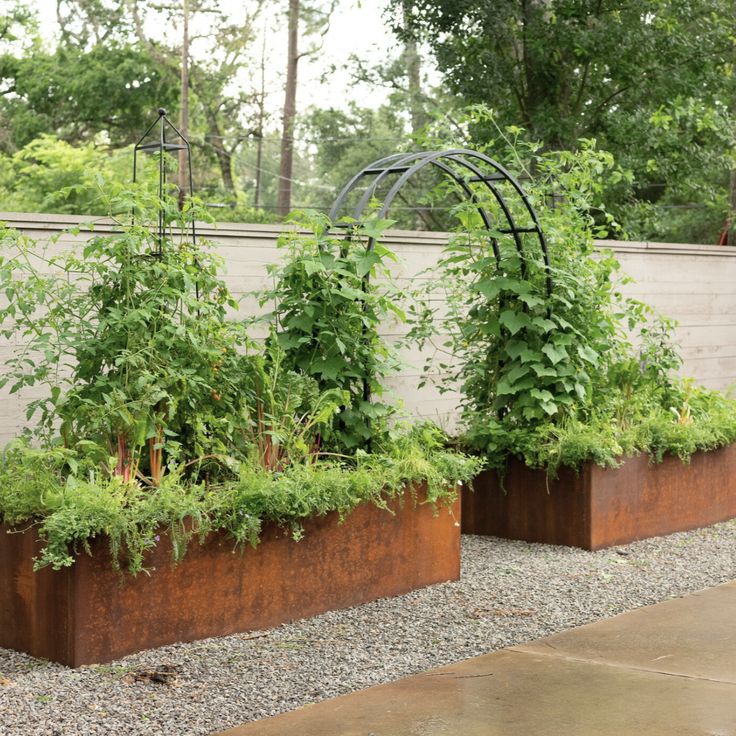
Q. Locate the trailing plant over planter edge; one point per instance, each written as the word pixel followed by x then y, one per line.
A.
pixel 160 414
pixel 36 490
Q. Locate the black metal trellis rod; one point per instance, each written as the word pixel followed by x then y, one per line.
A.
pixel 474 167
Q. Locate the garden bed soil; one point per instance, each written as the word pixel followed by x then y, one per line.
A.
pixel 89 613
pixel 602 507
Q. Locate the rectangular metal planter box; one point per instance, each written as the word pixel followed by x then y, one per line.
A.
pixel 601 507
pixel 89 613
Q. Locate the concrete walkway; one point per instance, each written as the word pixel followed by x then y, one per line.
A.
pixel 663 670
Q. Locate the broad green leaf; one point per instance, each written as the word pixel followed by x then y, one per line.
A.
pixel 517 372
pixel 549 406
pixel 531 300
pixel 547 325
pixel 543 370
pixel 541 394
pixel 555 353
pixel 514 321
pixel 313 266
pixel 514 348
pixel 587 353
pixel 366 262
pixel 490 289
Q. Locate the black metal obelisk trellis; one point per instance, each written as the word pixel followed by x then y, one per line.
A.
pixel 169 139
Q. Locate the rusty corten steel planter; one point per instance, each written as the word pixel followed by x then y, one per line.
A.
pixel 602 507
pixel 89 613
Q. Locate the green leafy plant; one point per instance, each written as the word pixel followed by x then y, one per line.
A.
pixel 572 374
pixel 52 175
pixel 158 415
pixel 330 296
pixel 130 339
pixel 289 412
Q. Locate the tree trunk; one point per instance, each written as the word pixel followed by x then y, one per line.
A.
pixel 416 102
pixel 184 105
pixel 287 137
pixel 259 162
pixel 728 236
pixel 731 229
pixel 261 121
pixel 224 157
pixel 412 60
pixel 414 73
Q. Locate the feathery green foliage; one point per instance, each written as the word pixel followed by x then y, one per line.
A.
pixel 70 510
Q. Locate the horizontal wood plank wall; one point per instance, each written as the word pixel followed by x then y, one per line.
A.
pixel 694 284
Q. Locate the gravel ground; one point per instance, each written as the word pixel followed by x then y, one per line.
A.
pixel 510 592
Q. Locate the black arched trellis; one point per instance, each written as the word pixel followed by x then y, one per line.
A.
pixel 465 167
pixel 475 164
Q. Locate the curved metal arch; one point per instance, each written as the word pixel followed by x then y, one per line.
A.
pixel 473 197
pixel 455 156
pixel 379 164
pixel 472 162
pixel 395 163
pixel 505 175
pixel 408 164
pixel 401 165
pixel 405 165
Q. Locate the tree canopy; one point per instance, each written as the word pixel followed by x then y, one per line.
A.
pixel 651 81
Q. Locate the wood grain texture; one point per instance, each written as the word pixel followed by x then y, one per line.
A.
pixel 690 283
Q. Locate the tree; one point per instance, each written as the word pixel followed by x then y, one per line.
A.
pixel 289 113
pixel 260 126
pixel 16 23
pixel 184 163
pixel 315 20
pixel 211 74
pixel 200 49
pixel 17 30
pixel 412 61
pixel 77 93
pixel 51 175
pixel 572 69
pixel 346 140
pixel 561 67
pixel 343 141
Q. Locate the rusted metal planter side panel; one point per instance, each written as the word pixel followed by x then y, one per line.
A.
pixel 604 506
pixel 36 615
pixel 217 591
pixel 528 506
pixel 640 500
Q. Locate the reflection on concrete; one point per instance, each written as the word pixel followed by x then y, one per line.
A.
pixel 664 670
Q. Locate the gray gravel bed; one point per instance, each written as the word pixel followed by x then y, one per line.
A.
pixel 510 592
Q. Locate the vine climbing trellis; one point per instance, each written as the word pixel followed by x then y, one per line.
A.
pixel 479 178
